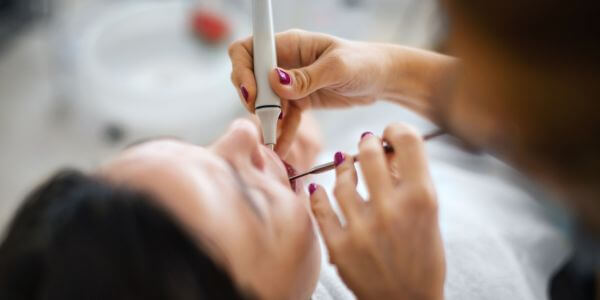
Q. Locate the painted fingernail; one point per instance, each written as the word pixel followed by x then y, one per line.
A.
pixel 366 134
pixel 284 77
pixel 244 93
pixel 312 188
pixel 280 115
pixel 338 158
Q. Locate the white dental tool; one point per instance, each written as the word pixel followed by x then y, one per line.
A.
pixel 268 104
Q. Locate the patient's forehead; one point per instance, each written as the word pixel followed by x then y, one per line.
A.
pixel 164 167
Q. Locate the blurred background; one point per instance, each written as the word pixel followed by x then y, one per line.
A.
pixel 79 79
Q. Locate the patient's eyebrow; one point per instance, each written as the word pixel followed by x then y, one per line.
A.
pixel 150 139
pixel 243 187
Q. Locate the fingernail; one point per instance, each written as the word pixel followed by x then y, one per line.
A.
pixel 366 134
pixel 244 92
pixel 312 188
pixel 338 158
pixel 280 115
pixel 284 77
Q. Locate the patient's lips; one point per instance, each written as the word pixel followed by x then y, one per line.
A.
pixel 290 172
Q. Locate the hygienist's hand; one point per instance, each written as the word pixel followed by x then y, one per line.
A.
pixel 322 71
pixel 317 70
pixel 390 246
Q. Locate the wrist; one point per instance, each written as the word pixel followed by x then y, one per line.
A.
pixel 414 77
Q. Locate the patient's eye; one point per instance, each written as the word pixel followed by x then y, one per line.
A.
pixel 145 140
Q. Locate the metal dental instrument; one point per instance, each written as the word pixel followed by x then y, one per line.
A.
pixel 331 165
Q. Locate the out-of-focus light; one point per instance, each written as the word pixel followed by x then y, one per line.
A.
pixel 210 26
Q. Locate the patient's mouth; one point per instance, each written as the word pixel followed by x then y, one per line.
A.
pixel 290 172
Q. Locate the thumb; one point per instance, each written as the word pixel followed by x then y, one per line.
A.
pixel 298 83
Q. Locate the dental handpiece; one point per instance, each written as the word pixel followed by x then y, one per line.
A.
pixel 268 104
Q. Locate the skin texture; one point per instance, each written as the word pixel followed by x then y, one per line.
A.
pixel 234 198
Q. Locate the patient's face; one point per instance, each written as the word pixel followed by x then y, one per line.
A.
pixel 236 201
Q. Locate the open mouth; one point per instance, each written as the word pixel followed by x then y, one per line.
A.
pixel 290 172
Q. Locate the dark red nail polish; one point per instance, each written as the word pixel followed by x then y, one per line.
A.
pixel 338 158
pixel 280 115
pixel 284 77
pixel 366 134
pixel 312 188
pixel 244 93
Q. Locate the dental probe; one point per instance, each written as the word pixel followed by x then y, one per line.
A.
pixel 386 148
pixel 268 104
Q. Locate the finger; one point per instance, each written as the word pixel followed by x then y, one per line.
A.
pixel 299 83
pixel 330 225
pixel 345 187
pixel 374 168
pixel 345 170
pixel 409 152
pixel 242 74
pixel 289 125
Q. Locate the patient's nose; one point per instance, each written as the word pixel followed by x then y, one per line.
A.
pixel 245 133
pixel 242 140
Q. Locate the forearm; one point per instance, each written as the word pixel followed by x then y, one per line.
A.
pixel 416 78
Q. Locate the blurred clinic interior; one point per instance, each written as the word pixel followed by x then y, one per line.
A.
pixel 80 80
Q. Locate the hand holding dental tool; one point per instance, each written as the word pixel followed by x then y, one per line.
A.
pixel 331 165
pixel 314 81
pixel 268 104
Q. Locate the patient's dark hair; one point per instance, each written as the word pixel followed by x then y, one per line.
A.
pixel 77 237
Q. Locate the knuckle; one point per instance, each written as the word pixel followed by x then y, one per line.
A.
pixel 343 168
pixel 339 191
pixel 403 134
pixel 423 199
pixel 303 80
pixel 338 60
pixel 369 151
pixel 294 31
pixel 318 208
pixel 321 212
pixel 232 48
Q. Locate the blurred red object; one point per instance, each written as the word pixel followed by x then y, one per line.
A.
pixel 210 26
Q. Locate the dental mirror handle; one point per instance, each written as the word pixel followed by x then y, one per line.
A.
pixel 268 104
pixel 386 148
